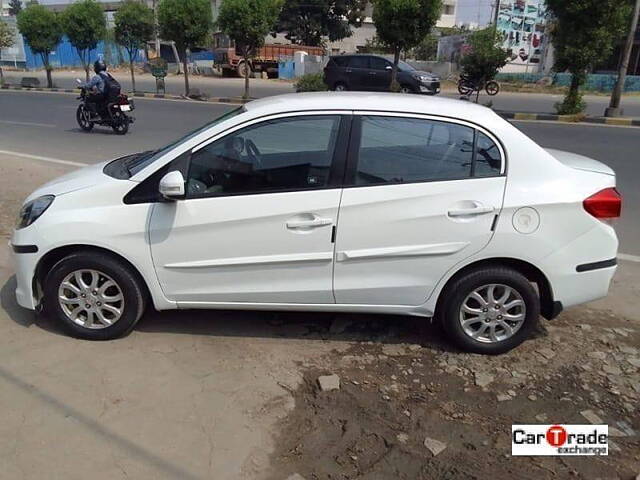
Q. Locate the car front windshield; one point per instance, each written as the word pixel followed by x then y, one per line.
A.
pixel 140 162
pixel 405 67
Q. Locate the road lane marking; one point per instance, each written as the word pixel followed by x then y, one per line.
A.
pixel 59 161
pixel 629 258
pixel 28 124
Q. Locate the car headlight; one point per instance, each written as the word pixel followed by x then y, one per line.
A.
pixel 32 210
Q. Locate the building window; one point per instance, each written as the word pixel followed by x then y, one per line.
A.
pixel 449 10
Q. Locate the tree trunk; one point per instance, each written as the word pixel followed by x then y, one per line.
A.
pixel 49 79
pixel 614 109
pixel 133 77
pixel 246 76
pixel 394 87
pixel 186 73
pixel 576 81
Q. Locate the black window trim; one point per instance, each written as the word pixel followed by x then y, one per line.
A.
pixel 356 134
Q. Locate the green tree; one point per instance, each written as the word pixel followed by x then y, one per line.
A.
pixel 6 40
pixel 427 49
pixel 134 26
pixel 42 30
pixel 247 22
pixel 485 55
pixel 187 23
pixel 403 24
pixel 15 7
pixel 309 22
pixel 584 33
pixel 84 25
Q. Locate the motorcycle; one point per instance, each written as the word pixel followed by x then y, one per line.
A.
pixel 114 115
pixel 466 86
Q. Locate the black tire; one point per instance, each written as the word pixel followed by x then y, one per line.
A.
pixel 406 89
pixel 456 293
pixel 272 75
pixel 492 88
pixel 340 87
pixel 132 292
pixel 82 117
pixel 241 69
pixel 121 123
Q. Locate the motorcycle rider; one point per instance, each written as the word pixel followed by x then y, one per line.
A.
pixel 96 100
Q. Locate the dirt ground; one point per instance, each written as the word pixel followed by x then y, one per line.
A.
pixel 234 395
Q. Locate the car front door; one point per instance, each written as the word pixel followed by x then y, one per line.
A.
pixel 380 74
pixel 358 73
pixel 421 196
pixel 256 223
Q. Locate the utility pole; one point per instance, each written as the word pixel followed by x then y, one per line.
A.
pixel 155 18
pixel 614 109
pixel 495 15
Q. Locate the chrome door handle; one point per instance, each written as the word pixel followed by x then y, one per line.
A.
pixel 479 210
pixel 316 222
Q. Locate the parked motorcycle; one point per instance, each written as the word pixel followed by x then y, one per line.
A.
pixel 114 115
pixel 466 86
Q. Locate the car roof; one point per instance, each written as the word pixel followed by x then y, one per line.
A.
pixel 385 102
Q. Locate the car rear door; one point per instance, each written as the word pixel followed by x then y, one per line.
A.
pixel 257 222
pixel 421 195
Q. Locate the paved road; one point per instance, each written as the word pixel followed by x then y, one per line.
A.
pixel 230 87
pixel 44 124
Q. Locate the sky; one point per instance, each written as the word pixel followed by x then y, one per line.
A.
pixel 477 11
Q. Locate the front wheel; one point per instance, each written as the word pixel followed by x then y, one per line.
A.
pixel 489 310
pixel 93 296
pixel 120 123
pixel 83 118
pixel 492 88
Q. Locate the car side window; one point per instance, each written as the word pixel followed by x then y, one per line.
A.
pixel 276 155
pixel 488 161
pixel 341 61
pixel 405 150
pixel 379 63
pixel 359 62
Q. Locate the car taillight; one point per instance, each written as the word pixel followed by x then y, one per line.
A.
pixel 605 204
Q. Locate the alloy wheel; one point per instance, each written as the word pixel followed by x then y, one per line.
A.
pixel 492 313
pixel 91 299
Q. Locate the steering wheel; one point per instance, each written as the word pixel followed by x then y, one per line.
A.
pixel 254 153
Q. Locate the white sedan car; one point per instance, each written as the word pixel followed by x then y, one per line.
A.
pixel 342 202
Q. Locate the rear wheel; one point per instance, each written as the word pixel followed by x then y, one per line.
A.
pixel 120 123
pixel 489 310
pixel 93 296
pixel 83 118
pixel 340 87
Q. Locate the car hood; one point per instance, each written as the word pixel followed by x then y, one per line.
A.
pixel 422 72
pixel 76 180
pixel 580 162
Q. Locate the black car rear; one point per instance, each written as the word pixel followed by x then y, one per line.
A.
pixel 373 73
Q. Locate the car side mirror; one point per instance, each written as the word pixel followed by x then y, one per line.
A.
pixel 172 186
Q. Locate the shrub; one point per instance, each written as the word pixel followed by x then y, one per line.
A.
pixel 311 82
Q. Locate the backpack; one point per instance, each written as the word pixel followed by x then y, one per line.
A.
pixel 111 86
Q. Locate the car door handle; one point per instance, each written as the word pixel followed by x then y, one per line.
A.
pixel 372 73
pixel 348 70
pixel 479 210
pixel 313 223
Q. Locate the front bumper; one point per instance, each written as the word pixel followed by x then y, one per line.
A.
pixel 25 267
pixel 429 87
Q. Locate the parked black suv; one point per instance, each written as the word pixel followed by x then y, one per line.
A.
pixel 373 73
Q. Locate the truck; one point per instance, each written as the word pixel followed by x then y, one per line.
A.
pixel 228 58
